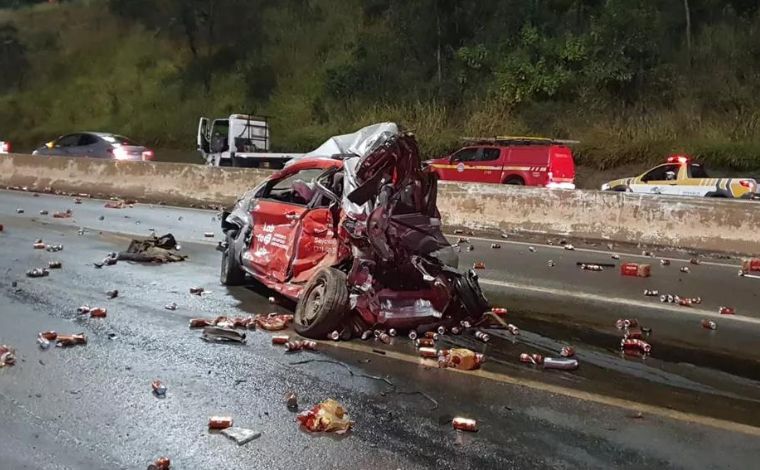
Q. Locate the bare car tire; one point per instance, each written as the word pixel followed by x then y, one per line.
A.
pixel 323 305
pixel 231 273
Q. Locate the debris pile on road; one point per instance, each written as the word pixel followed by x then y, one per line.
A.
pixel 7 356
pixel 460 358
pixel 328 416
pixel 273 321
pixel 152 250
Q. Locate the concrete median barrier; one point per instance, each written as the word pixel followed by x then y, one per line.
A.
pixel 705 224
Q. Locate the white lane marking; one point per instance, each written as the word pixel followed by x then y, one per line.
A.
pixel 590 250
pixel 586 296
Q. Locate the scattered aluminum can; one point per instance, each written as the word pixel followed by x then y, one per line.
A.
pixel 535 359
pixel 200 322
pixel 635 270
pixel 591 267
pixel 455 330
pixel 646 253
pixel 98 312
pixel 709 325
pixel 532 249
pixel 429 353
pixel 465 324
pixel 385 338
pixel 469 248
pixel 335 335
pixel 309 345
pixel 71 340
pixel 464 424
pixel 7 356
pixel 615 256
pixel 425 343
pixel 569 247
pixel 551 263
pixel 560 363
pixel 633 333
pixel 479 265
pixel 665 262
pixel 162 463
pixel 197 290
pixel 77 200
pixel 291 400
pixel 367 335
pixel 696 300
pixel 695 261
pixel 651 293
pixel 19 211
pixel 638 344
pixel 495 246
pixel 750 265
pixel 377 333
pixel 37 272
pixel 272 300
pixel 441 330
pixel 501 311
pixel 513 329
pixel 158 388
pixel 84 309
pixel 727 311
pixel 44 212
pixel 209 235
pixel 684 269
pixel 292 346
pixel 412 335
pixel 392 332
pixel 39 246
pixel 280 339
pixel 625 323
pixel 112 294
pixel 49 335
pixel 219 422
pixel 567 351
pixel 482 336
pixel 431 334
pixel 172 306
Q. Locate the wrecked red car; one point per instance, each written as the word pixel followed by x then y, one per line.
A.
pixel 351 232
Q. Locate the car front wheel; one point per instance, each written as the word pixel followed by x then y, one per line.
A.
pixel 231 273
pixel 323 305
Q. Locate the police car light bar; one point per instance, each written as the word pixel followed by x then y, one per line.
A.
pixel 678 159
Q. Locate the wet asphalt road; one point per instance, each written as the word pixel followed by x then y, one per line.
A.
pixel 91 406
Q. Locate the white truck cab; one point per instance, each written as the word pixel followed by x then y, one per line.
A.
pixel 238 140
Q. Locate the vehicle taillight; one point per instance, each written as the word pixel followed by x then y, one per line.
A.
pixel 148 155
pixel 678 159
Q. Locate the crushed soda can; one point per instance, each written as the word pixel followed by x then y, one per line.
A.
pixel 159 389
pixel 291 400
pixel 44 339
pixel 172 306
pixel 560 363
pixel 532 249
pixel 83 310
pixel 501 311
pixel 464 424
pixel 464 324
pixel 309 345
pixel 635 270
pixel 695 261
pixel 567 351
pixel 412 335
pixel 217 334
pixel 624 323
pixel 197 290
pixel 428 353
pixel 37 272
pixel 551 263
pixel 368 334
pixel 479 265
pixel 98 312
pixel 293 346
pixel 638 344
pixel 727 311
pixel 55 264
pixel 441 330
pixel 535 359
pixel 569 247
pixel 385 338
pixel 425 343
pixel 64 341
pixel 7 356
pixel 19 211
pixel 750 265
pixel 112 294
pixel 591 267
pixel 513 329
pixel 392 332
pixel 709 325
pixel 495 246
pixel 328 416
pixel 651 293
pixel 39 246
pixel 684 269
pixel 280 339
pixel 482 336
pixel 219 422
pixel 633 333
pixel 208 234
pixel 161 463
pixel 615 256
pixel 665 262
pixel 335 335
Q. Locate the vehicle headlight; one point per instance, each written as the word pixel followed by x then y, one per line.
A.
pixel 605 186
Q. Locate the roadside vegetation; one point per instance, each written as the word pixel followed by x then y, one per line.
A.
pixel 631 79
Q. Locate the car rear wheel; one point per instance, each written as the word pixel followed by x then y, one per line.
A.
pixel 231 273
pixel 323 305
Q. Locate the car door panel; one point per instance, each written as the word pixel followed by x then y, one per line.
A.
pixel 317 244
pixel 275 229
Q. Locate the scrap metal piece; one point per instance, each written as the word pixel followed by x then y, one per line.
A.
pixel 241 436
pixel 218 334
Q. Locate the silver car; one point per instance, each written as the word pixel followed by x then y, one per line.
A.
pixel 95 145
